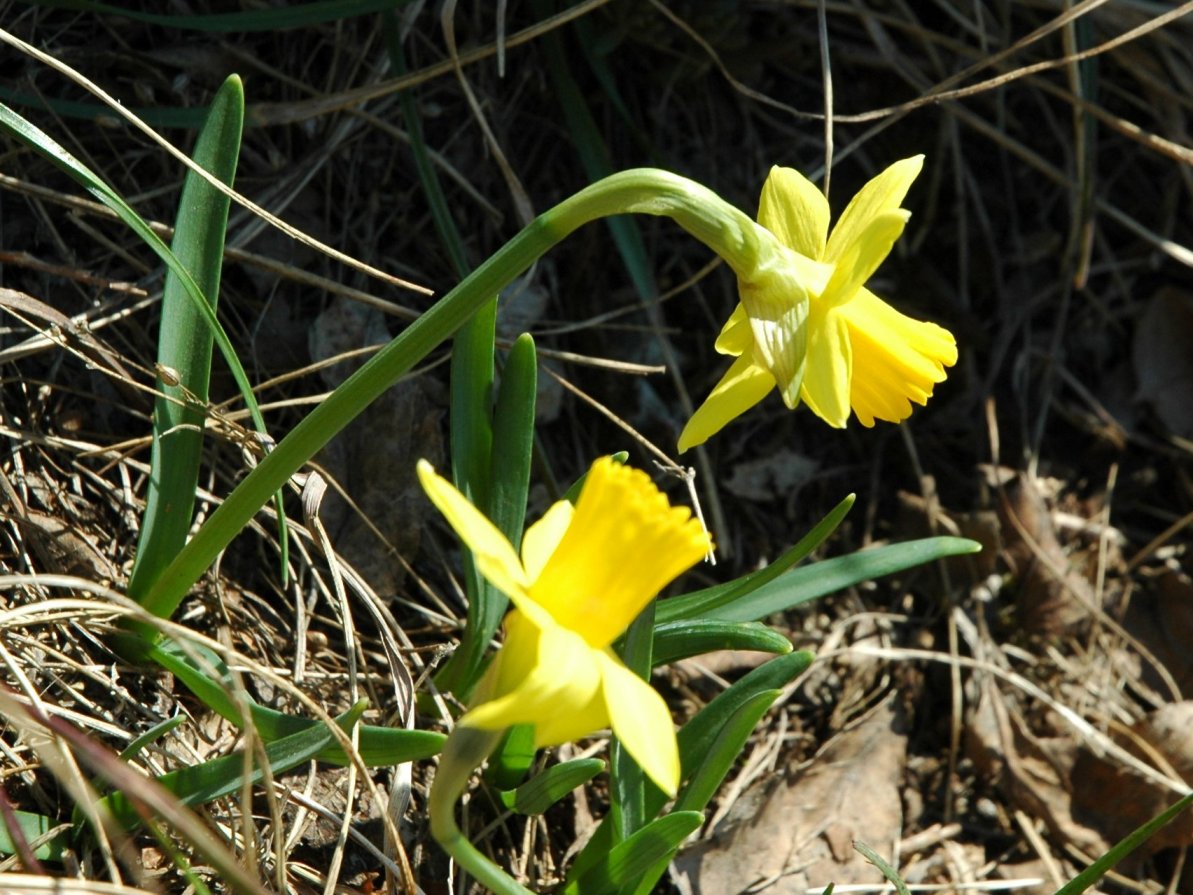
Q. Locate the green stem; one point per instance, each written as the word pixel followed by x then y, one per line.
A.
pixel 463 753
pixel 733 235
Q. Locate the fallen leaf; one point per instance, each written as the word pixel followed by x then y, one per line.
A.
pixel 787 836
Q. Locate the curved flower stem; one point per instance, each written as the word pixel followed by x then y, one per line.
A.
pixel 463 752
pixel 729 232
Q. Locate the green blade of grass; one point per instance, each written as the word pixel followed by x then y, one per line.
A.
pixel 31 136
pixel 627 781
pixel 725 750
pixel 33 827
pixel 378 746
pixel 817 580
pixel 209 780
pixel 626 862
pixel 278 18
pixel 184 342
pixel 679 640
pixel 542 791
pixel 1095 871
pixel 701 602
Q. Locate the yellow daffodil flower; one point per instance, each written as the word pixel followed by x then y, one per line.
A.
pixel 584 574
pixel 829 341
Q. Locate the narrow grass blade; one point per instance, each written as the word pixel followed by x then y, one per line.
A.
pixel 826 577
pixel 891 874
pixel 184 342
pixel 209 780
pixel 152 735
pixel 513 439
pixel 679 640
pixel 627 782
pixel 1095 871
pixel 542 791
pixel 378 746
pixel 700 603
pixel 726 749
pixel 27 133
pixel 626 862
pixel 32 828
pixel 509 763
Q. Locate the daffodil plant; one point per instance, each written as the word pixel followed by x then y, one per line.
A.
pixel 584 574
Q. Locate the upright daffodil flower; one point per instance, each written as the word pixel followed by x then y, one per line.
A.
pixel 857 351
pixel 584 574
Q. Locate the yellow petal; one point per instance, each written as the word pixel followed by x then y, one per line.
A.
pixel 546 676
pixel 642 722
pixel 861 257
pixel 494 554
pixel 830 364
pixel 736 337
pixel 896 359
pixel 795 210
pixel 541 539
pixel 741 388
pixel 625 543
pixel 882 194
pixel 776 302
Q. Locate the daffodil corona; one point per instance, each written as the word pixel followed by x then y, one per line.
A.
pixel 584 574
pixel 817 333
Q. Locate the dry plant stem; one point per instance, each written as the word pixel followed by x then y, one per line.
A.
pixel 728 231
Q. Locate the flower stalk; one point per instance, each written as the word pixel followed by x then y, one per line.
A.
pixel 745 246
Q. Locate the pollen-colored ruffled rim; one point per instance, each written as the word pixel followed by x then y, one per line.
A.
pixel 624 544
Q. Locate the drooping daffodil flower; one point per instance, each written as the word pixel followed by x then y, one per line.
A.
pixel 584 574
pixel 828 341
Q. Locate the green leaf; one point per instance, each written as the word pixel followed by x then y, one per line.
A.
pixel 513 439
pixel 378 746
pixel 1095 871
pixel 208 780
pixel 156 732
pixel 543 790
pixel 725 749
pixel 825 577
pixel 34 827
pixel 508 765
pixel 624 864
pixel 26 133
pixel 627 782
pixel 679 640
pixel 891 874
pixel 184 342
pixel 702 602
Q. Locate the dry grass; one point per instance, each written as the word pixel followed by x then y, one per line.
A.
pixel 1054 208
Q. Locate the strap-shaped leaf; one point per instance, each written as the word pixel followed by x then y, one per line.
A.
pixel 679 640
pixel 703 603
pixel 543 790
pixel 378 746
pixel 208 780
pixel 184 342
pixel 817 580
pixel 623 865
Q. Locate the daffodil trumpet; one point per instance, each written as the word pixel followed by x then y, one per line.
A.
pixel 583 575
